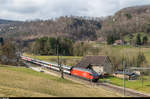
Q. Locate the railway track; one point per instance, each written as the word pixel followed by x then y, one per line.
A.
pixel 128 92
pixel 107 86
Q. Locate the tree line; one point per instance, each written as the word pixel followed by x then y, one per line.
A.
pixel 50 46
pixel 138 41
pixel 61 45
pixel 141 41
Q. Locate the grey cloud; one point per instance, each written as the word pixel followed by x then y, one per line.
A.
pixel 27 10
pixel 128 3
pixel 45 9
pixel 4 1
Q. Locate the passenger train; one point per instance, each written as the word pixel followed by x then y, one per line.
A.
pixel 87 74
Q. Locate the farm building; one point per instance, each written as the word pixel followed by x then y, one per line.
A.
pixel 100 64
pixel 119 42
pixel 128 75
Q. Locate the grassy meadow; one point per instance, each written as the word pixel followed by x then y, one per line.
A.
pixel 68 60
pixel 131 52
pixel 24 82
pixel 133 84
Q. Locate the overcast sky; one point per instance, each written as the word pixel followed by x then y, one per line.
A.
pixel 46 9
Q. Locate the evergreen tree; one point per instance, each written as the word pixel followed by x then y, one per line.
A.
pixel 145 40
pixel 140 59
pixel 48 46
pixel 1 41
pixel 138 39
pixel 110 39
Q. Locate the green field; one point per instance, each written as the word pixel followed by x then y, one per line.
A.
pixel 133 84
pixel 68 60
pixel 126 50
pixel 24 82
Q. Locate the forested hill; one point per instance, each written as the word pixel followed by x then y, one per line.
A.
pixel 77 28
pixel 126 21
pixel 4 21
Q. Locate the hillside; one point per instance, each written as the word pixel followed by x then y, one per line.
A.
pixel 24 82
pixel 77 28
pixel 4 21
pixel 128 21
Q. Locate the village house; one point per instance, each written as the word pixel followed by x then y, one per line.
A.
pixel 101 40
pixel 100 64
pixel 128 75
pixel 119 42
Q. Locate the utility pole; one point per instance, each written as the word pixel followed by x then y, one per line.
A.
pixel 142 70
pixel 58 60
pixel 124 67
pixel 142 75
pixel 137 23
pixel 58 53
pixel 142 78
pixel 61 69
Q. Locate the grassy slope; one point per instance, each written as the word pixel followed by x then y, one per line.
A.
pixel 23 82
pixel 146 52
pixel 136 85
pixel 128 48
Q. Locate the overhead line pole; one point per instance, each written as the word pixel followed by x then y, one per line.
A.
pixel 138 25
pixel 62 75
pixel 58 53
pixel 58 59
pixel 124 63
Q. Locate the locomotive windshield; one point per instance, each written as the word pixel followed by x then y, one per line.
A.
pixel 94 73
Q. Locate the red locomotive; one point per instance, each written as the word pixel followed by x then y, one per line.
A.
pixel 85 73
